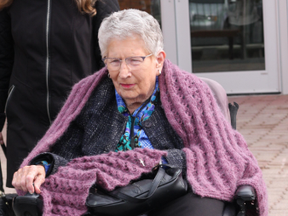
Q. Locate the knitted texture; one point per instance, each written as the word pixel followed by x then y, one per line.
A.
pixel 218 160
pixel 65 192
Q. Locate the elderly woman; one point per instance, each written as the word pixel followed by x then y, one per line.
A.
pixel 120 122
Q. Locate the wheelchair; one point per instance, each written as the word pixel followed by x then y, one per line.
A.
pixel 244 203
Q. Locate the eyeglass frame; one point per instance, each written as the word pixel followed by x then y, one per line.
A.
pixel 121 60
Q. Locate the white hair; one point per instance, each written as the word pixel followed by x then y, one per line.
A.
pixel 128 23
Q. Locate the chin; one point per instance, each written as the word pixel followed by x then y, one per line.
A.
pixel 129 98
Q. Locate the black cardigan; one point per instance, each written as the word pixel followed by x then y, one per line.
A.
pixel 45 48
pixel 99 127
pixel 73 50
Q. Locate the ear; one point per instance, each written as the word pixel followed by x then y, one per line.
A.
pixel 160 60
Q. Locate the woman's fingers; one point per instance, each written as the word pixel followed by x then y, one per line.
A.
pixel 16 182
pixel 29 179
pixel 40 179
pixel 25 178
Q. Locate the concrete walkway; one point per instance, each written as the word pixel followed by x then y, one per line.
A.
pixel 263 121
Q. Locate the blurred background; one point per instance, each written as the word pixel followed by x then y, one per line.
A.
pixel 242 44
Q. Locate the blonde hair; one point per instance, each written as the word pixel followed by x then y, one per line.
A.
pixel 84 6
pixel 5 3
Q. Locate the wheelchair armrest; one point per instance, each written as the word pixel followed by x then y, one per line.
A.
pixel 246 193
pixel 245 197
pixel 30 204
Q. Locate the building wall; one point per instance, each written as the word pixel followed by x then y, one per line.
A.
pixel 282 7
pixel 285 69
pixel 283 43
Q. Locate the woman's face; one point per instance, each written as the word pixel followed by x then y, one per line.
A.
pixel 135 83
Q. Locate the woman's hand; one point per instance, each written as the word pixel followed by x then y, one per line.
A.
pixel 29 178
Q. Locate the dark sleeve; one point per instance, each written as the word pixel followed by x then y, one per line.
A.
pixel 2 120
pixel 177 158
pixel 64 150
pixel 6 60
pixel 54 160
pixel 104 8
pixel 67 147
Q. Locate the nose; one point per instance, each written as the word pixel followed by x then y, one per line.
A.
pixel 124 70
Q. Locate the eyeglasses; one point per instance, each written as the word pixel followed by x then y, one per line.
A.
pixel 133 62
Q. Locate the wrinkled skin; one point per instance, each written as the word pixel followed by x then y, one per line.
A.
pixel 29 178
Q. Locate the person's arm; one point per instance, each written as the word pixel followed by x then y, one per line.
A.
pixel 104 9
pixel 176 157
pixel 6 61
pixel 31 177
pixel 53 161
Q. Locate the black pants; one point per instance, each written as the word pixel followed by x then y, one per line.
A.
pixel 191 205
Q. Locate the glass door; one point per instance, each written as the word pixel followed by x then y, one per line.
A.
pixel 231 41
pixel 150 6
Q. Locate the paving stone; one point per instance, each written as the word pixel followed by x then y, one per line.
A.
pixel 263 121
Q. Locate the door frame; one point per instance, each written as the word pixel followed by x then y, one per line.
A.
pixel 176 31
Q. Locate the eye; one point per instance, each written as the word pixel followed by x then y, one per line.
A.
pixel 114 61
pixel 135 60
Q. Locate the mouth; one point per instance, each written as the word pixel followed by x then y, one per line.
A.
pixel 127 86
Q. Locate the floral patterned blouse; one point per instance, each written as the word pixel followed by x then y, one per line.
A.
pixel 141 114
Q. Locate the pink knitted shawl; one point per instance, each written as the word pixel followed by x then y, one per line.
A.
pixel 218 160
